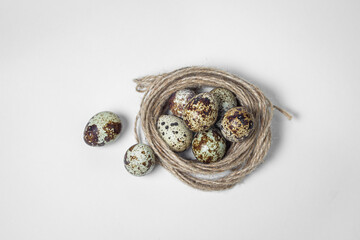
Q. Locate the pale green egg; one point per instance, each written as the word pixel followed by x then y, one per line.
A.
pixel 174 132
pixel 209 146
pixel 139 159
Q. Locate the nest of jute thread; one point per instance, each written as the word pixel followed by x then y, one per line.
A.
pixel 241 158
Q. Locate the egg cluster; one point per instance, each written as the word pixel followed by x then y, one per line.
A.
pixel 104 128
pixel 204 121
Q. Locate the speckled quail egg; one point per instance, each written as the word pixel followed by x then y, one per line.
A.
pixel 237 124
pixel 174 132
pixel 178 100
pixel 201 112
pixel 226 101
pixel 102 128
pixel 139 159
pixel 209 146
pixel 225 98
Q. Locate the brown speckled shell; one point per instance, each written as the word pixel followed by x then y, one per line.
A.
pixel 209 146
pixel 102 128
pixel 201 112
pixel 237 124
pixel 139 159
pixel 178 100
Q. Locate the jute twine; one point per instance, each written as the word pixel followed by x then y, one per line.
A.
pixel 241 158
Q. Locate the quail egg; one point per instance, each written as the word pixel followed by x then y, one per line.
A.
pixel 226 101
pixel 102 128
pixel 201 112
pixel 225 98
pixel 174 132
pixel 139 159
pixel 237 124
pixel 209 146
pixel 178 100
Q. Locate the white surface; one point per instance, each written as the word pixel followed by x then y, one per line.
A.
pixel 63 61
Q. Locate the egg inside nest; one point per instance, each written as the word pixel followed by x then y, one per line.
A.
pixel 201 112
pixel 174 132
pixel 209 146
pixel 237 124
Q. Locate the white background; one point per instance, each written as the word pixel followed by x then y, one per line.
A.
pixel 63 61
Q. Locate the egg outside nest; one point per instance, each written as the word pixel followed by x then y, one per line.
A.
pixel 139 159
pixel 103 128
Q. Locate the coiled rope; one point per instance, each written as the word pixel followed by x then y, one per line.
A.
pixel 241 158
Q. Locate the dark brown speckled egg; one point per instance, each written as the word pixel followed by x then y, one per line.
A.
pixel 201 112
pixel 178 100
pixel 237 124
pixel 102 128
